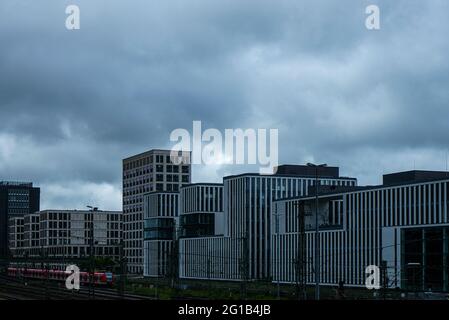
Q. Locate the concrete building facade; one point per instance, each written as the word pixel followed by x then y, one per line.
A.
pixel 65 234
pixel 143 173
pixel 400 226
pixel 244 251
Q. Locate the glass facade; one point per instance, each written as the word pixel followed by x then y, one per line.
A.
pixel 197 224
pixel 425 259
pixel 159 229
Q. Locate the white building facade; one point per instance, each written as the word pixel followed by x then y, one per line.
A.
pixel 150 171
pixel 161 212
pixel 244 250
pixel 402 227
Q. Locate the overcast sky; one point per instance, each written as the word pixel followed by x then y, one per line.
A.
pixel 73 104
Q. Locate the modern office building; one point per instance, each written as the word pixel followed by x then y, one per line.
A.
pixel 16 200
pixel 401 226
pixel 143 173
pixel 244 251
pixel 161 212
pixel 67 234
pixel 201 222
pixel 31 233
pixel 197 211
pixel 201 212
pixel 16 236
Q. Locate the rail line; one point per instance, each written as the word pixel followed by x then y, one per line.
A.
pixel 16 289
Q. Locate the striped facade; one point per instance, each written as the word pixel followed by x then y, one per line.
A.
pixel 210 258
pixel 361 228
pixel 157 258
pixel 245 248
pixel 201 210
pixel 161 211
pixel 203 251
pixel 202 197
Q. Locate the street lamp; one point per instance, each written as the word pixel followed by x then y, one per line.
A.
pixel 92 254
pixel 278 275
pixel 317 239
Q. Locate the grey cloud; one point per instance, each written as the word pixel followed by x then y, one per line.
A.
pixel 73 104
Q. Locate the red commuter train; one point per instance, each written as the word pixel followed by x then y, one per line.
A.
pixel 100 278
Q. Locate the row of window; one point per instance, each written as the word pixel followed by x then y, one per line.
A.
pixel 159 169
pixel 158 158
pixel 133 217
pixel 18 197
pixel 159 186
pixel 131 234
pixel 175 187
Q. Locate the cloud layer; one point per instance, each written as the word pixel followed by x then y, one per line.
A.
pixel 74 103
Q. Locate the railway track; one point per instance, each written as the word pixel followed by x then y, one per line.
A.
pixel 16 289
pixel 34 292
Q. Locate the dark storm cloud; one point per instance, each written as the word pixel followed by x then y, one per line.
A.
pixel 74 103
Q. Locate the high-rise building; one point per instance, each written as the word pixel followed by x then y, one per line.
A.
pixel 16 200
pixel 143 173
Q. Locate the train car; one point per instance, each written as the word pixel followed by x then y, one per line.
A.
pixel 100 278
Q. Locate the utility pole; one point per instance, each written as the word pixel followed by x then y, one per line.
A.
pixel 43 256
pixel 174 257
pixel 92 253
pixel 317 229
pixel 300 262
pixel 92 256
pixel 279 258
pixel 383 273
pixel 121 286
pixel 244 265
pixel 208 274
pixel 47 271
pixel 26 263
pixel 63 253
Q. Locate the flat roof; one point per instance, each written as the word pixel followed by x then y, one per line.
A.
pixel 413 176
pixel 150 152
pixel 76 211
pixel 213 184
pixel 356 189
pixel 16 184
pixel 271 175
pixel 161 192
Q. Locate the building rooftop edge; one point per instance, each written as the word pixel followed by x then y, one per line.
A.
pixel 78 210
pixel 202 184
pixel 149 152
pixel 285 175
pixel 362 188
